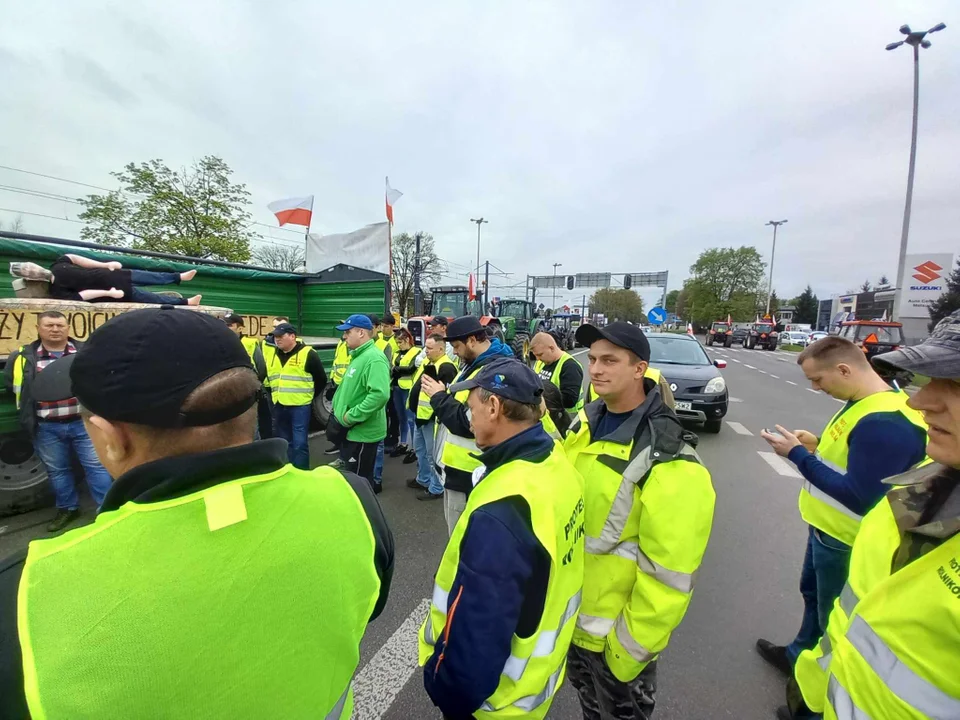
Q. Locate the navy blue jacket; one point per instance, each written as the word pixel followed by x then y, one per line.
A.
pixel 881 445
pixel 499 589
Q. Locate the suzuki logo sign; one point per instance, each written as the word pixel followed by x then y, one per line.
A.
pixel 927 272
pixel 922 283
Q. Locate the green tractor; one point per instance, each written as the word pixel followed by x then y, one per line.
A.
pixel 519 325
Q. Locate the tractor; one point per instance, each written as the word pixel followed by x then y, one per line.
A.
pixel 876 337
pixel 563 329
pixel 761 335
pixel 519 325
pixel 720 333
pixel 453 301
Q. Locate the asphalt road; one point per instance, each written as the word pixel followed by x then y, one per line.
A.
pixel 746 587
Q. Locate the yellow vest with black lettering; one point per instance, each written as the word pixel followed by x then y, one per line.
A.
pixel 641 559
pixel 535 668
pixel 290 383
pixel 891 646
pixel 650 374
pixel 823 511
pixel 424 408
pixel 458 452
pixel 406 360
pixel 205 605
pixel 554 377
pixel 341 359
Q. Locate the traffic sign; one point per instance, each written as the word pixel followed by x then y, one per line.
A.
pixel 657 316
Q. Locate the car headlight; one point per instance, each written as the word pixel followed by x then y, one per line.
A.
pixel 717 385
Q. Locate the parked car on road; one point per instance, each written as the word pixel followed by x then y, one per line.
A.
pixel 740 336
pixel 793 338
pixel 816 335
pixel 699 389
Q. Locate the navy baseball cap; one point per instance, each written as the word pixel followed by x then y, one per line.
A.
pixel 356 321
pixel 938 356
pixel 622 334
pixel 508 378
pixel 284 329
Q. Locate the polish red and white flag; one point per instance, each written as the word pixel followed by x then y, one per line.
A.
pixel 471 291
pixel 293 211
pixel 391 196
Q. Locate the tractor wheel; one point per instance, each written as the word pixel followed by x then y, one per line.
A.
pixel 23 477
pixel 323 405
pixel 709 340
pixel 521 347
pixel 747 343
pixel 728 342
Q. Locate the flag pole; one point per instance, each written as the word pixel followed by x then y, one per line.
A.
pixel 306 235
pixel 386 182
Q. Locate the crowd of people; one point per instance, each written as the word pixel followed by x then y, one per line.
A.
pixel 225 578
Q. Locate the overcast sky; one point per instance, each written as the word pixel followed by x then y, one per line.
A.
pixel 608 136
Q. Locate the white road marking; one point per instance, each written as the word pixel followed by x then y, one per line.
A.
pixel 377 685
pixel 790 382
pixel 815 392
pixel 735 360
pixel 783 360
pixel 774 376
pixel 839 400
pixel 733 399
pixel 781 466
pixel 762 371
pixel 738 428
pixel 749 366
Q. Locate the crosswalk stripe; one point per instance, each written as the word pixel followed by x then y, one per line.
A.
pixel 781 466
pixel 738 428
pixel 377 685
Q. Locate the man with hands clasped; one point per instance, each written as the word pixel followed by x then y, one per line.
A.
pixel 873 436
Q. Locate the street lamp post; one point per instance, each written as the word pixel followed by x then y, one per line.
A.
pixel 555 266
pixel 918 40
pixel 476 277
pixel 773 252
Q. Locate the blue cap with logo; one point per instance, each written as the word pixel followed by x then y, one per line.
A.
pixel 356 321
pixel 507 377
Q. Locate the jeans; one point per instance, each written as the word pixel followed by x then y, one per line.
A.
pixel 149 277
pixel 52 443
pixel 292 423
pixel 454 503
pixel 426 469
pixel 825 566
pixel 378 464
pixel 399 396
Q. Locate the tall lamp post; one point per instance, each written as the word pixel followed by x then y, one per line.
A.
pixel 918 40
pixel 773 252
pixel 555 266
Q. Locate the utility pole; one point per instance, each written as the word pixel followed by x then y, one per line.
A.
pixel 555 266
pixel 583 310
pixel 479 222
pixel 486 287
pixel 917 40
pixel 776 224
pixel 417 292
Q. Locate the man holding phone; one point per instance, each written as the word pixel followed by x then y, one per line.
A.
pixel 438 367
pixel 875 435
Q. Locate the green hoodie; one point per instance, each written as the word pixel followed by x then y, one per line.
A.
pixel 361 398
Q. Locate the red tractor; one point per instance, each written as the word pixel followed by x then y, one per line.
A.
pixel 761 335
pixel 720 333
pixel 451 302
pixel 876 337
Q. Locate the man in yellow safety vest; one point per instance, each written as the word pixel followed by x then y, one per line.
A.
pixel 649 512
pixel 873 436
pixel 508 589
pixel 210 552
pixel 556 366
pixel 890 648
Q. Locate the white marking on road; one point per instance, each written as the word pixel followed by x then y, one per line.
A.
pixel 762 371
pixel 779 464
pixel 738 428
pixel 790 382
pixel 774 376
pixel 839 400
pixel 733 399
pixel 815 392
pixel 783 360
pixel 735 360
pixel 749 366
pixel 377 685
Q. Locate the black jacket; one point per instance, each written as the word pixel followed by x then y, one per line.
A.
pixel 164 480
pixel 446 374
pixel 28 407
pixel 571 381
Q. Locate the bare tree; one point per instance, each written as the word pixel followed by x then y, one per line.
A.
pixel 404 252
pixel 278 257
pixel 15 225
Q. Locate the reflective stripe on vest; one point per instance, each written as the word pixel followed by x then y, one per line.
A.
pixel 817 507
pixel 341 359
pixel 536 665
pixel 424 408
pixel 290 383
pixel 263 521
pixel 891 644
pixel 404 361
pixel 551 427
pixel 457 452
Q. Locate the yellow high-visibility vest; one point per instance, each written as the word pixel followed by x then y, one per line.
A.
pixel 554 377
pixel 290 383
pixel 424 408
pixel 341 359
pixel 406 360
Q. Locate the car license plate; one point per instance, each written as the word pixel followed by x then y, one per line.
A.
pixel 683 405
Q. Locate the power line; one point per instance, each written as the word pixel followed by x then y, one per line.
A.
pixel 39 193
pixel 53 177
pixel 51 217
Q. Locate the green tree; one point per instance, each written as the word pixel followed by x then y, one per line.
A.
pixel 279 257
pixel 806 307
pixel 194 211
pixel 866 287
pixel 671 301
pixel 949 301
pixel 725 281
pixel 883 282
pixel 404 255
pixel 617 304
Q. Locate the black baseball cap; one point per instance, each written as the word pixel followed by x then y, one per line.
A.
pixel 284 329
pixel 622 334
pixel 389 319
pixel 233 319
pixel 508 378
pixel 140 366
pixel 374 318
pixel 438 320
pixel 463 327
pixel 937 357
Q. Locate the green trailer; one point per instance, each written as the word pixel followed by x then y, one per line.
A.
pixel 315 303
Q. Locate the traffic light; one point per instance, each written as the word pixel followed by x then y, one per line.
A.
pixel 627 282
pixel 569 282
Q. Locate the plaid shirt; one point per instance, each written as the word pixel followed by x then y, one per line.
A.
pixel 61 409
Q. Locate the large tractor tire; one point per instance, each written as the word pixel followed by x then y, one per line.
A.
pixel 709 339
pixel 521 347
pixel 323 406
pixel 748 343
pixel 728 342
pixel 23 477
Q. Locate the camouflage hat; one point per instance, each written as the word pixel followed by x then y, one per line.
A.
pixel 938 356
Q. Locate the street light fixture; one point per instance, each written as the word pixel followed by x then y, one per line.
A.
pixel 479 222
pixel 918 40
pixel 773 252
pixel 555 266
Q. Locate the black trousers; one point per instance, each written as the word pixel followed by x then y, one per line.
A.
pixel 265 417
pixel 393 426
pixel 359 457
pixel 602 695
